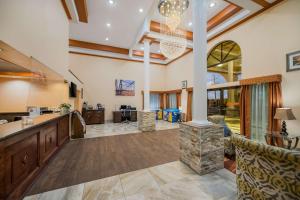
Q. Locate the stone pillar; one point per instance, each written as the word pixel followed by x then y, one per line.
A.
pixel 199 8
pixel 146 119
pixel 202 147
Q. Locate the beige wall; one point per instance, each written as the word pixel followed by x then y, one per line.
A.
pixel 264 41
pixel 17 94
pixel 99 74
pixel 39 29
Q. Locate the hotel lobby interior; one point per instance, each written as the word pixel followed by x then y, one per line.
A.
pixel 149 100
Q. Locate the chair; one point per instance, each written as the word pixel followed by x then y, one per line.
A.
pixel 266 172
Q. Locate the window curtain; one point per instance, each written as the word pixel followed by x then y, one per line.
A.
pixel 189 106
pixel 162 100
pixel 154 102
pixel 178 100
pixel 172 101
pixel 245 107
pixel 259 111
pixel 275 101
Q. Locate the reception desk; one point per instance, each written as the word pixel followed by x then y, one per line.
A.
pixel 26 149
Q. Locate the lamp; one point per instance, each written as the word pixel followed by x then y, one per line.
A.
pixel 284 114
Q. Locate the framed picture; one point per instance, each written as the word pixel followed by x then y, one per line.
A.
pixel 293 61
pixel 125 87
pixel 184 84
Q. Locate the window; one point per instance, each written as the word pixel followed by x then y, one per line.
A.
pixel 154 102
pixel 172 101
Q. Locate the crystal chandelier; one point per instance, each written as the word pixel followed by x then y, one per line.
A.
pixel 173 42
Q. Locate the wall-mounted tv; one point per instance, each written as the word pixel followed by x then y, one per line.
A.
pixel 72 90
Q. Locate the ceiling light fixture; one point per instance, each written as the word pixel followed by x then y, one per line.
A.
pixel 190 23
pixel 141 10
pixel 111 2
pixel 142 48
pixel 220 65
pixel 212 4
pixel 107 39
pixel 108 25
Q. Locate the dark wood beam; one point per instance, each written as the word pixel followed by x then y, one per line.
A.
pixel 82 12
pixel 263 3
pixel 222 16
pixel 64 4
pixel 99 47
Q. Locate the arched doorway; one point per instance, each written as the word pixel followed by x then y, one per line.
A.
pixel 224 66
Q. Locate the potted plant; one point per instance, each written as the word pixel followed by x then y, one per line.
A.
pixel 65 108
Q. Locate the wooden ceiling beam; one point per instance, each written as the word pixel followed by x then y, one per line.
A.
pixel 262 3
pixel 64 4
pixel 99 47
pixel 222 16
pixel 152 55
pixel 82 11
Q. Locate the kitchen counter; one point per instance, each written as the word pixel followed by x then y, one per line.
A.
pixel 13 128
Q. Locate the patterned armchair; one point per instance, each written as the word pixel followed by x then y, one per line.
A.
pixel 266 172
pixel 229 149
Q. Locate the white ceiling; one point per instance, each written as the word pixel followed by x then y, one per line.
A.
pixel 124 17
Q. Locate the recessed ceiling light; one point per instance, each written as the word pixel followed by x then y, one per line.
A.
pixel 190 23
pixel 158 51
pixel 141 10
pixel 212 4
pixel 111 2
pixel 108 24
pixel 107 39
pixel 142 48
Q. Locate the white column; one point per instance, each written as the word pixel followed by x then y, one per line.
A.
pixel 200 62
pixel 146 75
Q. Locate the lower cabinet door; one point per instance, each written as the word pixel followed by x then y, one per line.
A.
pixel 48 141
pixel 63 130
pixel 21 161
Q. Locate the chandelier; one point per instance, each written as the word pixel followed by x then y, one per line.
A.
pixel 173 42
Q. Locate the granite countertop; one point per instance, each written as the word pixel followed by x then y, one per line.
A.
pixel 13 128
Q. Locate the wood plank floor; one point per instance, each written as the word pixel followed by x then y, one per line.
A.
pixel 91 159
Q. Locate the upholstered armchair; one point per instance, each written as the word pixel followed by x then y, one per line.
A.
pixel 229 149
pixel 266 172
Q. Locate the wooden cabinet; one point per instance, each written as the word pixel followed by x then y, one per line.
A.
pixel 117 116
pixel 25 153
pixel 63 130
pixel 48 141
pixel 93 116
pixel 21 162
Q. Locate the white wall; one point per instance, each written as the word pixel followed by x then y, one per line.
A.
pixel 99 74
pixel 38 28
pixel 264 41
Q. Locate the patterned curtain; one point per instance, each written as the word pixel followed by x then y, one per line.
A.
pixel 172 101
pixel 259 111
pixel 154 102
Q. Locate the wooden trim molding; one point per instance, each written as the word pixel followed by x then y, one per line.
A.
pixel 262 79
pixel 99 47
pixel 82 12
pixel 152 55
pixel 115 58
pixel 178 91
pixel 262 3
pixel 222 16
pixel 21 74
pixel 64 4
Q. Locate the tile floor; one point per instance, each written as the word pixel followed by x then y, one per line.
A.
pixel 109 129
pixel 171 181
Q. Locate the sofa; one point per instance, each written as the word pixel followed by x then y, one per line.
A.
pixel 266 172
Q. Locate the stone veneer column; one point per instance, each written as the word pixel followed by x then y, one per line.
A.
pixel 146 121
pixel 202 147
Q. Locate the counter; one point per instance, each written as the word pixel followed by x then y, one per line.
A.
pixel 26 149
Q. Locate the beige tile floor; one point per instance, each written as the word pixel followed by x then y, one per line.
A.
pixel 109 129
pixel 171 181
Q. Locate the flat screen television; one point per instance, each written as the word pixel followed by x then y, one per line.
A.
pixel 72 90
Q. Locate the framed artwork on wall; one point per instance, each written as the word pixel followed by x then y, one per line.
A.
pixel 125 87
pixel 184 84
pixel 293 61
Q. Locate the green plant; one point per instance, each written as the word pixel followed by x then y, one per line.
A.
pixel 65 105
